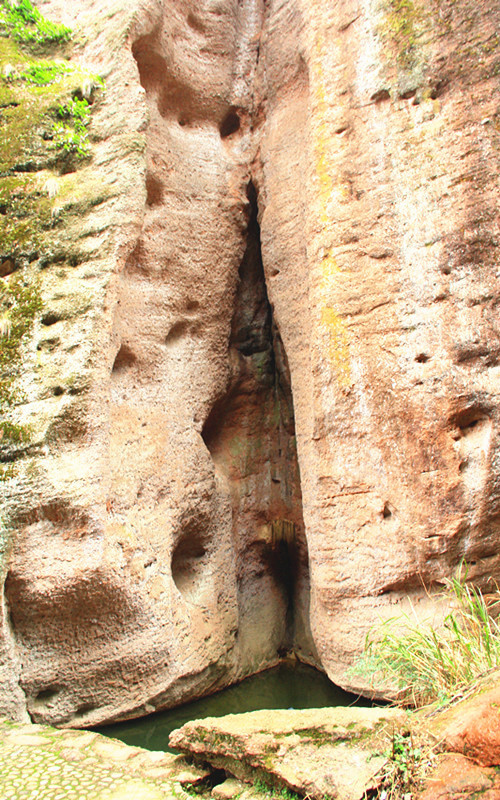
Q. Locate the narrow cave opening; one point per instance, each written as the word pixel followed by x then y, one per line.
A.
pixel 250 434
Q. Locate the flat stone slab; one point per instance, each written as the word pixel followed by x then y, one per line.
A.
pixel 334 752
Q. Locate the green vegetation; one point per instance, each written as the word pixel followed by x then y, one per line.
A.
pixel 26 212
pixel 400 27
pixel 275 794
pixel 406 767
pixel 45 113
pixel 45 72
pixel 71 131
pixel 27 26
pixel 34 90
pixel 19 303
pixel 435 664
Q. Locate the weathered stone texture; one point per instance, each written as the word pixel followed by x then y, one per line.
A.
pixel 328 752
pixel 234 412
pixel 378 172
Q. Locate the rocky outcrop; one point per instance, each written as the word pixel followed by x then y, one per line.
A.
pixel 257 395
pixel 457 776
pixel 471 726
pixel 437 753
pixel 159 544
pixel 330 752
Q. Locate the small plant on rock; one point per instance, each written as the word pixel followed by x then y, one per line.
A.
pixel 43 73
pixel 27 25
pixel 406 766
pixel 71 129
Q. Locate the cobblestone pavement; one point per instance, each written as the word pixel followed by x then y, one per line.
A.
pixel 41 763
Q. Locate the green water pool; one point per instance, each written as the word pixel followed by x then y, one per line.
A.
pixel 285 686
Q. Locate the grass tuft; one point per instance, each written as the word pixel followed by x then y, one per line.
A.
pixel 71 130
pixel 435 664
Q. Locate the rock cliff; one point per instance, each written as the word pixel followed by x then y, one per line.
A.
pixel 251 393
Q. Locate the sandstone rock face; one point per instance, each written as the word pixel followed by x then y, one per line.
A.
pixel 457 776
pixel 262 387
pixel 159 540
pixel 378 169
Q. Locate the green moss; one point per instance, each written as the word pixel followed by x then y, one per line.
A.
pixel 19 304
pixel 25 211
pixel 30 115
pixel 10 52
pixel 36 95
pixel 26 25
pixel 44 73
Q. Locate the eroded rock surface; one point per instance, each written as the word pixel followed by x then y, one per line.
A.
pixel 262 389
pixel 377 184
pixel 458 776
pixel 328 752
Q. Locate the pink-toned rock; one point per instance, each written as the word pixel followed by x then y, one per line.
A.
pixel 472 727
pixel 255 432
pixel 456 777
pixel 379 224
pixel 159 545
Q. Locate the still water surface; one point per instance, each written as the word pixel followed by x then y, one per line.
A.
pixel 286 686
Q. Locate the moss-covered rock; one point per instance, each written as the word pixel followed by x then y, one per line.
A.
pixel 44 120
pixel 328 752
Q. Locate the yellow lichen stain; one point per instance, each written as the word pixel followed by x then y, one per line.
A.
pixel 338 345
pixel 331 325
pixel 329 269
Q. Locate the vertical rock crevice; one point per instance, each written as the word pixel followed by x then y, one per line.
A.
pixel 250 434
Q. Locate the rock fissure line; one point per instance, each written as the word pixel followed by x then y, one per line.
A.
pixel 250 434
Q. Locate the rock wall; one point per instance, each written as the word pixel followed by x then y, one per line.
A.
pixel 261 382
pixel 378 170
